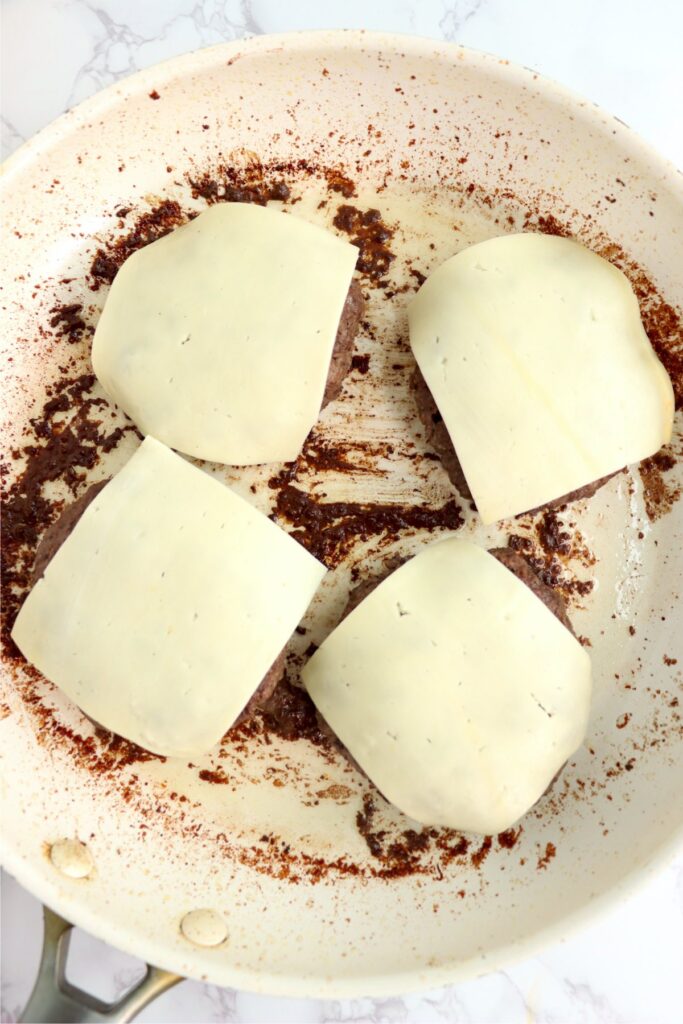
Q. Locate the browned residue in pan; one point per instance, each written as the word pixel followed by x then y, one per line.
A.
pixel 216 776
pixel 510 837
pixel 367 230
pixel 660 490
pixel 322 454
pixel 331 529
pixel 148 227
pixel 226 186
pixel 545 857
pixel 555 550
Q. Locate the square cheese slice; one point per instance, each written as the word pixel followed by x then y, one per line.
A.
pixel 217 338
pixel 455 689
pixel 166 605
pixel 534 351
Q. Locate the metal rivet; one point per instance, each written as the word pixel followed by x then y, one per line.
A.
pixel 72 858
pixel 204 928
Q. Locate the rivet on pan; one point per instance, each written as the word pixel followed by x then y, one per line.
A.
pixel 72 858
pixel 204 928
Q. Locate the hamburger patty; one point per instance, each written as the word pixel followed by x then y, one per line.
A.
pixel 342 353
pixel 439 439
pixel 513 561
pixel 57 533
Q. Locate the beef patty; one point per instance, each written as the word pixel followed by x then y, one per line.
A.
pixel 342 353
pixel 57 533
pixel 439 439
pixel 513 561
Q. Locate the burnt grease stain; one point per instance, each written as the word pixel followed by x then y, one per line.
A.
pixel 321 454
pixel 361 363
pixel 216 776
pixel 228 188
pixel 255 182
pixel 545 858
pixel 550 549
pixel 329 530
pixel 339 182
pixel 553 536
pixel 367 230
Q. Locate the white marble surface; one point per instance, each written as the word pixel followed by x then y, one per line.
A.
pixel 624 54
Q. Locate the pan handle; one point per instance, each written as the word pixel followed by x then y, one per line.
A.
pixel 56 1000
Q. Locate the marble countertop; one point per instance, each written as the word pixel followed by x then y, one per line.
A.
pixel 624 55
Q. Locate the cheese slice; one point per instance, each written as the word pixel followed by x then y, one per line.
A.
pixel 167 604
pixel 534 351
pixel 217 338
pixel 456 690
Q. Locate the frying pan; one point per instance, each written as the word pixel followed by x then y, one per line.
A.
pixel 272 865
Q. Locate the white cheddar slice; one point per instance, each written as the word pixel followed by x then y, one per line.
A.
pixel 455 689
pixel 167 604
pixel 534 351
pixel 217 338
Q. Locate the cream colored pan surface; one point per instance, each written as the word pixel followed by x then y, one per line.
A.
pixel 314 884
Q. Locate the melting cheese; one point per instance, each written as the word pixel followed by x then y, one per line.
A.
pixel 534 351
pixel 217 338
pixel 455 688
pixel 167 604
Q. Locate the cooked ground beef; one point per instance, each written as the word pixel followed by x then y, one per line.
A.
pixel 439 440
pixel 342 352
pixel 57 533
pixel 513 561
